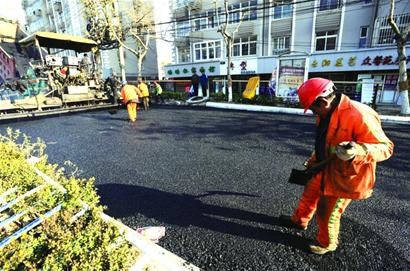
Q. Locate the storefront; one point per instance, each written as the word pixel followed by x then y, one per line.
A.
pixel 371 66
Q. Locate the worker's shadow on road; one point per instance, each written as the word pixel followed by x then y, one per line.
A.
pixel 184 210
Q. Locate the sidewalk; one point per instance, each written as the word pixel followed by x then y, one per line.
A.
pixel 299 111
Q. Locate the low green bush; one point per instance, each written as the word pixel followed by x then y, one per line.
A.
pixel 179 96
pixel 58 243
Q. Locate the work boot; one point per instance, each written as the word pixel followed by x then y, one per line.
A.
pixel 287 222
pixel 318 249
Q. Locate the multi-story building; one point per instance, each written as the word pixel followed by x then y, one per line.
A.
pixel 289 41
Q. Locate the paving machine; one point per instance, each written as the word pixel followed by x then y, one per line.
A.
pixel 58 79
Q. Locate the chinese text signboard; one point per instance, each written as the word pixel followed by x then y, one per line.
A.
pixel 361 60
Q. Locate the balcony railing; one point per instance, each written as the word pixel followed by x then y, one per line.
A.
pixel 383 33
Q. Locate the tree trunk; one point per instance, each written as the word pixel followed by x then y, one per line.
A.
pixel 403 83
pixel 139 66
pixel 228 69
pixel 122 62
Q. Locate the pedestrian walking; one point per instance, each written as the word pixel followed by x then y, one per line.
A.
pixel 350 137
pixel 129 95
pixel 145 93
pixel 203 80
pixel 158 92
pixel 195 83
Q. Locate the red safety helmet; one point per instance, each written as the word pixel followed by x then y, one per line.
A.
pixel 313 88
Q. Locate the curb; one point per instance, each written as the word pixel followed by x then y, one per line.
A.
pixel 293 111
pixel 154 257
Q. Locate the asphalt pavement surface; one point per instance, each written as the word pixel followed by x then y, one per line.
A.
pixel 217 180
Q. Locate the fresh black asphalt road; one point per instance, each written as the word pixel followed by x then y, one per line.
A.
pixel 217 180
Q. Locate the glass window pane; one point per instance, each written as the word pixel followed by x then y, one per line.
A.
pixel 218 52
pixel 287 11
pixel 211 53
pixel 252 49
pixel 320 44
pixel 363 32
pixel 331 43
pixel 197 46
pixel 245 49
pixel 236 50
pixel 197 54
pixel 253 14
pixel 204 54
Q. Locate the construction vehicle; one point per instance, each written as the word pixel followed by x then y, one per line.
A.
pixel 57 80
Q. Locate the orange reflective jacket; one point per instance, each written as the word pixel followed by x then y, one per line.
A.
pixel 128 93
pixel 354 121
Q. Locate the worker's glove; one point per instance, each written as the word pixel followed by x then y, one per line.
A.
pixel 346 150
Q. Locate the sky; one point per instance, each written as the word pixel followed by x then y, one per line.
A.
pixel 13 10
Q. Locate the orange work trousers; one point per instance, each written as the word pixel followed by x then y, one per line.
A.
pixel 132 111
pixel 328 211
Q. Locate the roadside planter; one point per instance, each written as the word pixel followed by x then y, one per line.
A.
pixel 51 220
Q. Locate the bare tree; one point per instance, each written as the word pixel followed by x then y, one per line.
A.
pixel 228 39
pixel 138 24
pixel 401 51
pixel 106 27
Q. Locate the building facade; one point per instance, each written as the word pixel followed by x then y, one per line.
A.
pixel 289 41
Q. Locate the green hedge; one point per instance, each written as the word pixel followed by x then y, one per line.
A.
pixel 180 96
pixel 88 243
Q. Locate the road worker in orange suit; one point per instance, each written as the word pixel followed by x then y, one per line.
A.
pixel 145 93
pixel 130 95
pixel 351 133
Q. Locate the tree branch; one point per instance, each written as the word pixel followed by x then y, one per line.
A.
pixel 391 21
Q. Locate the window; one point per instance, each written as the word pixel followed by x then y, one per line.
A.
pixel 280 44
pixel 328 4
pixel 205 20
pixel 184 55
pixel 207 50
pixel 200 21
pixel 283 9
pixel 326 40
pixel 244 46
pixel 234 13
pixel 183 28
pixel 363 36
pixel 245 11
pixel 383 34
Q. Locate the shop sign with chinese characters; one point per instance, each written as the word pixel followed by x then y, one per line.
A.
pixel 356 61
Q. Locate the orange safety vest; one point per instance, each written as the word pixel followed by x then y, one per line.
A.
pixel 354 121
pixel 128 93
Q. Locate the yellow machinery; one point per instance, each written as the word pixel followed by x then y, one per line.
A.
pixel 251 86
